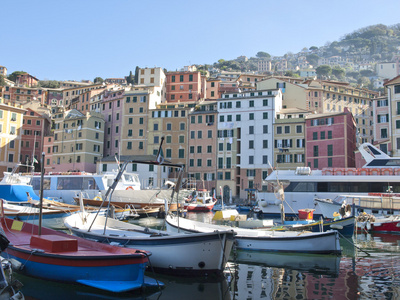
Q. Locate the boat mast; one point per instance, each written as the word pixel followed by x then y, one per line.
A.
pixel 41 193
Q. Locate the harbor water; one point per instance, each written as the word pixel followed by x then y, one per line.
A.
pixel 369 268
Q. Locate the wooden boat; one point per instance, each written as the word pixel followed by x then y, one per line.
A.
pixel 380 224
pixel 344 226
pixel 196 254
pixel 52 218
pixel 57 256
pixel 53 255
pixel 201 201
pixel 265 240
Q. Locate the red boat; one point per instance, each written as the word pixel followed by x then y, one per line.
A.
pixel 201 201
pixel 391 224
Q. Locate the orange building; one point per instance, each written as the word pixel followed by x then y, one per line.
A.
pixel 184 86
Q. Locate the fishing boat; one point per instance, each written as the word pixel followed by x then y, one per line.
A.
pixel 379 175
pixel 200 201
pixel 370 223
pixel 266 240
pixel 345 226
pixel 195 254
pixel 10 288
pixel 53 255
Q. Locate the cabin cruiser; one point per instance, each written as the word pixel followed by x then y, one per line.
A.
pixel 380 175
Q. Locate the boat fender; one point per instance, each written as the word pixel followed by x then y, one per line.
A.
pixel 130 188
pixel 16 265
pixel 97 198
pixel 263 203
pixel 338 227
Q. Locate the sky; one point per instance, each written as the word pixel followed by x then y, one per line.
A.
pixel 84 39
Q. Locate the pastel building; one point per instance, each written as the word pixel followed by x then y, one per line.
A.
pixel 202 144
pixel 11 121
pixel 330 140
pixel 289 139
pixel 78 141
pixel 184 86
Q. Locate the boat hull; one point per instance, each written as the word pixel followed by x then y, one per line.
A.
pixel 390 226
pixel 57 256
pixel 264 240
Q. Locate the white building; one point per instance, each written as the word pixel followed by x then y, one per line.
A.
pixel 245 136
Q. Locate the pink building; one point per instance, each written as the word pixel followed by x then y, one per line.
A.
pixel 35 127
pixel 330 140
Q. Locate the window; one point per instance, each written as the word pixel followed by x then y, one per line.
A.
pixel 238 118
pixel 129 146
pixel 315 136
pixel 181 139
pixel 251 116
pixel 199 162
pixel 397 89
pixel 278 130
pixel 299 129
pixel 265 115
pixel 199 134
pixel 322 135
pixel 384 133
pixel 316 163
pixel 251 160
pixel 181 153
pixel 315 152
pixel 265 102
pixel 199 149
pixel 329 135
pixel 251 129
pixel 287 129
pixel 251 144
pixel 251 103
pixel 209 149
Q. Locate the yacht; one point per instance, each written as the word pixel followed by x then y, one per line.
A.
pixel 380 176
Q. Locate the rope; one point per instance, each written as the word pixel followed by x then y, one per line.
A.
pixel 151 266
pixel 342 236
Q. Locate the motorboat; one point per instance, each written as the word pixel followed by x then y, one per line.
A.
pixel 379 176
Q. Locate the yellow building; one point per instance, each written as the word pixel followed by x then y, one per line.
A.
pixel 11 120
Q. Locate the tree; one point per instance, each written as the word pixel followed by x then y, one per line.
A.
pixel 98 80
pixel 339 72
pixel 323 70
pixel 2 81
pixel 366 73
pixel 51 84
pixel 262 54
pixel 136 75
pixel 312 48
pixel 312 59
pixel 130 79
pixel 13 76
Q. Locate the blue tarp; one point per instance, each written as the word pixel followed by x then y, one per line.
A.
pixel 17 192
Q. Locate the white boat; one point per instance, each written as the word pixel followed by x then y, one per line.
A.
pixel 203 254
pixel 379 175
pixel 266 240
pixel 370 204
pixel 200 201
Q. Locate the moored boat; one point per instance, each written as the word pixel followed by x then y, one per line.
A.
pixel 196 254
pixel 265 240
pixel 200 201
pixel 56 256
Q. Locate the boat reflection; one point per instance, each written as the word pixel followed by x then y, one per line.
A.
pixel 174 288
pixel 313 263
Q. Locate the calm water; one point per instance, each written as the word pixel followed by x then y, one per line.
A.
pixel 368 270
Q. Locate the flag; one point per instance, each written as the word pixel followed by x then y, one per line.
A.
pixel 35 161
pixel 160 156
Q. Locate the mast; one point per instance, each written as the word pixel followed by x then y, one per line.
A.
pixel 41 193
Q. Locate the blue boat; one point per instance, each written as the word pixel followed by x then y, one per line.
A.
pixel 54 255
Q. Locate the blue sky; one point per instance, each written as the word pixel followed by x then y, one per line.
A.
pixel 83 39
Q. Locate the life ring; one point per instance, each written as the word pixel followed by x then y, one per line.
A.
pixel 129 188
pixel 97 198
